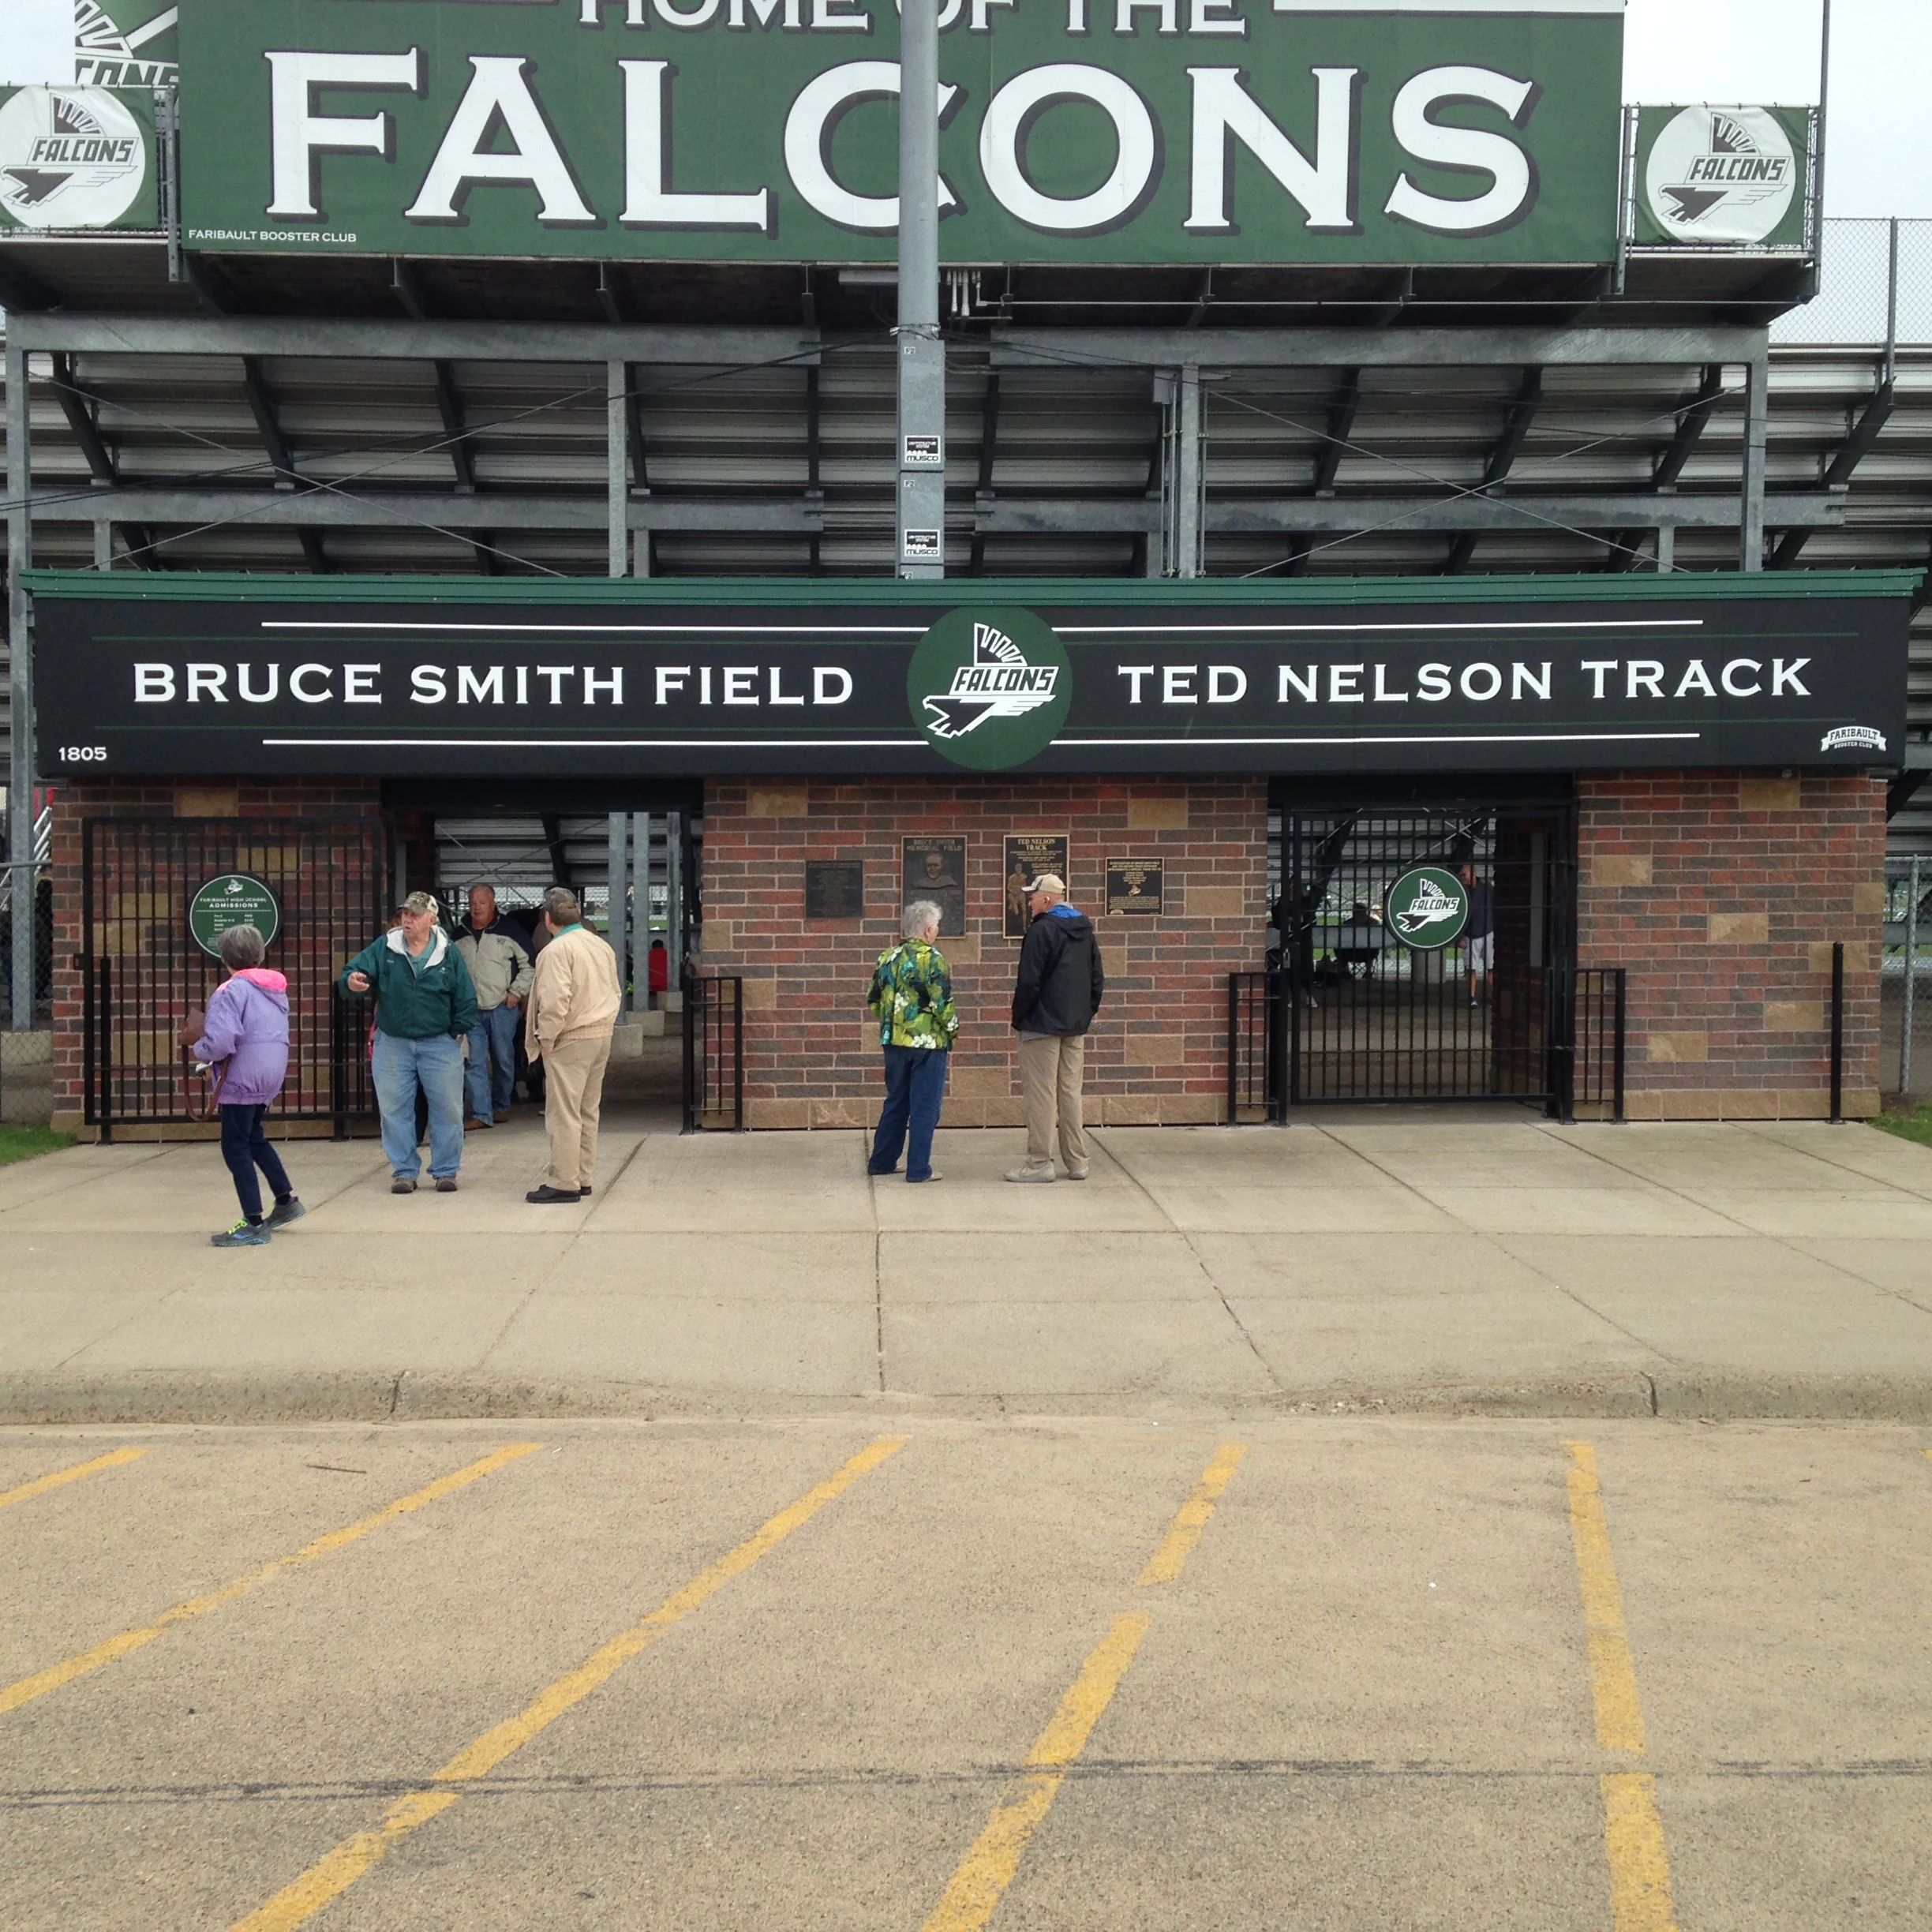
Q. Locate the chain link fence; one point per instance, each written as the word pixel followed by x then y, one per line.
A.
pixel 1874 286
pixel 26 1058
pixel 1905 979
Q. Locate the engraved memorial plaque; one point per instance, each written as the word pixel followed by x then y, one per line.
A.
pixel 1133 886
pixel 1029 854
pixel 935 868
pixel 834 889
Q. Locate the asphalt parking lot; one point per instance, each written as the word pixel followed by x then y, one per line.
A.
pixel 1344 1673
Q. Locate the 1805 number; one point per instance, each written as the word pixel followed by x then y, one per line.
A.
pixel 84 754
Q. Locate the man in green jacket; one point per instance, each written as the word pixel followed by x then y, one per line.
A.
pixel 425 1006
pixel 912 996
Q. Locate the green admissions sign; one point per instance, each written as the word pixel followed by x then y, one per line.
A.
pixel 234 899
pixel 1099 131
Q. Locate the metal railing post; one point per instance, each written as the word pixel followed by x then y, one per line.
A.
pixel 104 1048
pixel 1837 1032
pixel 1911 976
pixel 738 1119
pixel 1617 1049
pixel 1235 1045
pixel 693 999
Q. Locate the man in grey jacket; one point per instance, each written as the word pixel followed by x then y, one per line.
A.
pixel 499 964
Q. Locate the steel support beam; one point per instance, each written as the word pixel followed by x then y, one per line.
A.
pixel 335 509
pixel 1756 410
pixel 617 467
pixel 79 408
pixel 21 759
pixel 1335 348
pixel 280 455
pixel 410 341
pixel 1341 427
pixel 1516 426
pixel 920 457
pixel 1849 454
pixel 1046 516
pixel 449 407
pixel 989 451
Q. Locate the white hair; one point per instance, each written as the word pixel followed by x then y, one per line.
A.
pixel 920 914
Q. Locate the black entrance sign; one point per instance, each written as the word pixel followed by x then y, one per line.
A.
pixel 240 676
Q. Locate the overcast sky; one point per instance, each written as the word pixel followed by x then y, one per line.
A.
pixel 1745 52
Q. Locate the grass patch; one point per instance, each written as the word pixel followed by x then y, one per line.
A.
pixel 1916 1124
pixel 23 1143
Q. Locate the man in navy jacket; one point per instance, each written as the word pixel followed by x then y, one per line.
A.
pixel 1059 990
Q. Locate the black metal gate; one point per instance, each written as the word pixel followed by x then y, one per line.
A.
pixel 1372 1018
pixel 142 969
pixel 713 1053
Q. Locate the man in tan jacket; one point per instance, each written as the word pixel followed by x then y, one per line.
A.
pixel 573 1005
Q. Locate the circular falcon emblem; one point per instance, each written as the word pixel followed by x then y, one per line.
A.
pixel 1426 907
pixel 1721 174
pixel 69 157
pixel 990 688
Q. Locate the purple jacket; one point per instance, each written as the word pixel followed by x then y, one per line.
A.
pixel 248 1027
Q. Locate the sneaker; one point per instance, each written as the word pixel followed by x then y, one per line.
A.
pixel 922 1180
pixel 243 1234
pixel 402 1184
pixel 445 1184
pixel 1042 1171
pixel 283 1212
pixel 1076 1173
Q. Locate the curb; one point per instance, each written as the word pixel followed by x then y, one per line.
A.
pixel 176 1397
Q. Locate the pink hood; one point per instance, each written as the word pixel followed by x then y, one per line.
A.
pixel 266 977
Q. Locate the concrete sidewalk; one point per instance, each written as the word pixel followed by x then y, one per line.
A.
pixel 1415 1262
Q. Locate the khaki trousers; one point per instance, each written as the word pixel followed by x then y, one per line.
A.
pixel 1050 1070
pixel 573 1092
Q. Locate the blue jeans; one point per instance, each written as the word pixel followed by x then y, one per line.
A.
pixel 400 1066
pixel 916 1078
pixel 489 1081
pixel 245 1147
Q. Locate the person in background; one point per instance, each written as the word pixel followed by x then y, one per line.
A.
pixel 574 1003
pixel 1479 933
pixel 493 948
pixel 1058 991
pixel 911 998
pixel 425 1006
pixel 248 1030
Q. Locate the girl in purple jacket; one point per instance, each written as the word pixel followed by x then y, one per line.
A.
pixel 248 1027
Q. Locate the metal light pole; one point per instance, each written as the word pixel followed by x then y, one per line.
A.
pixel 21 764
pixel 921 520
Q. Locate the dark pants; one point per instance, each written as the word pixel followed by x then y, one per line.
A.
pixel 914 1088
pixel 245 1147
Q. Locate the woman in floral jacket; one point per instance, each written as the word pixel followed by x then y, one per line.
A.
pixel 912 996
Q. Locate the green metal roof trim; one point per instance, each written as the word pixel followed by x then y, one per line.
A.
pixel 1036 593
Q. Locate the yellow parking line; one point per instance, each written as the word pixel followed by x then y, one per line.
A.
pixel 27 1689
pixel 976 1888
pixel 1191 1517
pixel 1640 1880
pixel 333 1873
pixel 41 1485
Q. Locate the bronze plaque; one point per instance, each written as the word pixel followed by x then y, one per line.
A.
pixel 834 889
pixel 935 868
pixel 1029 854
pixel 1133 885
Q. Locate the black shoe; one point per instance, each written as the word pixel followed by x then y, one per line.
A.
pixel 547 1196
pixel 283 1212
pixel 585 1188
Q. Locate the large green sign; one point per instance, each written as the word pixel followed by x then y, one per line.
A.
pixel 1103 131
pixel 74 159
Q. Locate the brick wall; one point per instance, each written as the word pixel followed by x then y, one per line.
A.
pixel 1158 1051
pixel 151 1033
pixel 1721 892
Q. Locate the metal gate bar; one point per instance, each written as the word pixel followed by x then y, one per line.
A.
pixel 143 970
pixel 713 1054
pixel 1373 1019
